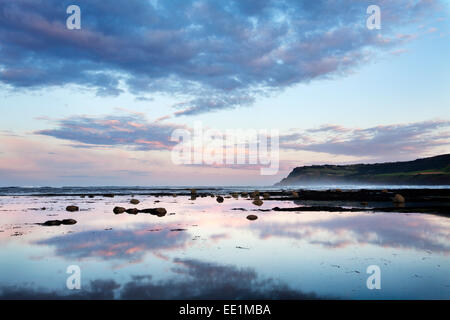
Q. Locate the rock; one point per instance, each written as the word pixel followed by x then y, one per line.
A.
pixel 252 217
pixel 254 194
pixel 52 223
pixel 160 212
pixel 244 194
pixel 68 221
pixel 294 194
pixel 399 199
pixel 174 195
pixel 91 196
pixel 235 195
pixel 132 211
pixel 72 208
pixel 193 197
pixel 134 201
pixel 219 199
pixel 266 195
pixel 58 222
pixel 108 195
pixel 257 202
pixel 119 210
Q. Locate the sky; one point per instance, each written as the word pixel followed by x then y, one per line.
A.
pixel 99 105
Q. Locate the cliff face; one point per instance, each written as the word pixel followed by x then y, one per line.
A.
pixel 426 171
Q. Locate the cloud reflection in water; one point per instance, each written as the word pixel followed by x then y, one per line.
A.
pixel 196 280
pixel 419 232
pixel 115 244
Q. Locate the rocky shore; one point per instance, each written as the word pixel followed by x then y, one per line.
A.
pixel 427 200
pixel 434 201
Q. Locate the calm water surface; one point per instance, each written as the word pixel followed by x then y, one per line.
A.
pixel 202 249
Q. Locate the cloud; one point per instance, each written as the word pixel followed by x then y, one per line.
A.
pixel 212 103
pixel 127 130
pixel 381 142
pixel 384 141
pixel 37 160
pixel 212 54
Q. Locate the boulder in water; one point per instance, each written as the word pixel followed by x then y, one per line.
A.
pixel 257 202
pixel 72 208
pixel 254 194
pixel 52 223
pixel 68 221
pixel 132 211
pixel 119 210
pixel 160 212
pixel 59 222
pixel 399 199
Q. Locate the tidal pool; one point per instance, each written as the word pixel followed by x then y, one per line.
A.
pixel 205 250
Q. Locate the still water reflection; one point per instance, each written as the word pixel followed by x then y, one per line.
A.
pixel 202 250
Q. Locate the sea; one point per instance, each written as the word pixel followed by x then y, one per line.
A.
pixel 124 190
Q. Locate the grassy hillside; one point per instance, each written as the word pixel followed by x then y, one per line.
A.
pixel 427 171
